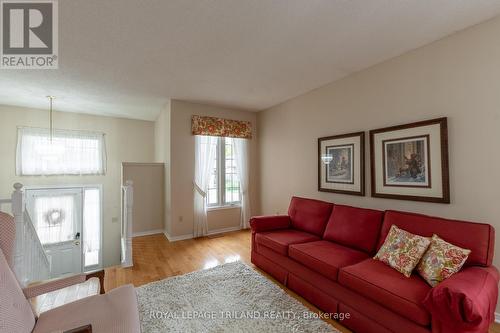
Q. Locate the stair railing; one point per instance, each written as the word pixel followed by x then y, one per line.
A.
pixel 30 260
pixel 36 260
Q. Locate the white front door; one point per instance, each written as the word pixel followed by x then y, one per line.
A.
pixel 57 218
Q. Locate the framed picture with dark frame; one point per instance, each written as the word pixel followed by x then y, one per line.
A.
pixel 341 160
pixel 410 162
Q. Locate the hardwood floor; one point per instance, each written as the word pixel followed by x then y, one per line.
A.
pixel 156 258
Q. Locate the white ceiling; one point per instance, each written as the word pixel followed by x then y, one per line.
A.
pixel 128 57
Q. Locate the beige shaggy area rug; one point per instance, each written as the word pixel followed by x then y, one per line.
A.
pixel 228 298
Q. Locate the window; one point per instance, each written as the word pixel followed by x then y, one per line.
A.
pixel 91 227
pixel 54 218
pixel 224 184
pixel 67 153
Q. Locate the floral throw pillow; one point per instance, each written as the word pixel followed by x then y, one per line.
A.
pixel 441 261
pixel 402 250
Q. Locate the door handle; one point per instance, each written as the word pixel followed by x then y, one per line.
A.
pixel 77 239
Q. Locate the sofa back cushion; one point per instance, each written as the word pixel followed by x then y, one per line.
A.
pixel 309 215
pixel 16 314
pixel 358 228
pixel 477 237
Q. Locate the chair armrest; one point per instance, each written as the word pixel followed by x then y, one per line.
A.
pixel 265 223
pixel 465 302
pixel 81 329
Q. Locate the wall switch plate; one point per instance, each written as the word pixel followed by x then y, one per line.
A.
pixel 115 219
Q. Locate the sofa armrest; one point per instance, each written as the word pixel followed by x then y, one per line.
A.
pixel 465 302
pixel 266 223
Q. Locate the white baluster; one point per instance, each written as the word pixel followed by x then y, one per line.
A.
pixel 128 203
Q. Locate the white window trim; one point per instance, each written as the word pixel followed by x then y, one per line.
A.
pixel 235 206
pixel 83 187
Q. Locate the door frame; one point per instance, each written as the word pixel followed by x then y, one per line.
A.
pixel 53 250
pixel 101 213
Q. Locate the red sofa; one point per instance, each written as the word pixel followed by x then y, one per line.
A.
pixel 324 253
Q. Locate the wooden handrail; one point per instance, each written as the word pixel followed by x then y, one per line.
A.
pixel 98 274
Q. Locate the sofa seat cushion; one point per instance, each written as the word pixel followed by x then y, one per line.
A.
pixel 115 311
pixel 278 240
pixel 325 257
pixel 382 284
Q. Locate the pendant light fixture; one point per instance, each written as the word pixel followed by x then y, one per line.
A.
pixel 51 125
pixel 52 150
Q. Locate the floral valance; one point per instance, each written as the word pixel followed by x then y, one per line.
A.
pixel 212 126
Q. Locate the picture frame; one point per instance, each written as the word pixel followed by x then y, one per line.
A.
pixel 341 164
pixel 410 161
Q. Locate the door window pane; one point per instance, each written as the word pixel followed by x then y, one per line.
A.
pixel 54 218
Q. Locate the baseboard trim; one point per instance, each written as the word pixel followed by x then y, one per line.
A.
pixel 497 317
pixel 210 233
pixel 223 230
pixel 147 233
pixel 177 238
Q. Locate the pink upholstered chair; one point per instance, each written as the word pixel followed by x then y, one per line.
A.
pixel 115 311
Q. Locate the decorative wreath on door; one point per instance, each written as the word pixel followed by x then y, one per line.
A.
pixel 54 217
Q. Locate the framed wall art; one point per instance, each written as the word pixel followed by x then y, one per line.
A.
pixel 341 164
pixel 410 162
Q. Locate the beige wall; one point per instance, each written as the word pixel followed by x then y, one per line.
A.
pixel 182 168
pixel 149 200
pixel 126 141
pixel 457 77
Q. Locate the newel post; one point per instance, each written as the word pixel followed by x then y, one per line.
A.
pixel 128 193
pixel 17 200
pixel 18 212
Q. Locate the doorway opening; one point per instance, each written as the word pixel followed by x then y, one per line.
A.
pixel 68 222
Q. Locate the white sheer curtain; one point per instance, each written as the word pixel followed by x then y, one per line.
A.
pixel 205 150
pixel 69 152
pixel 241 152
